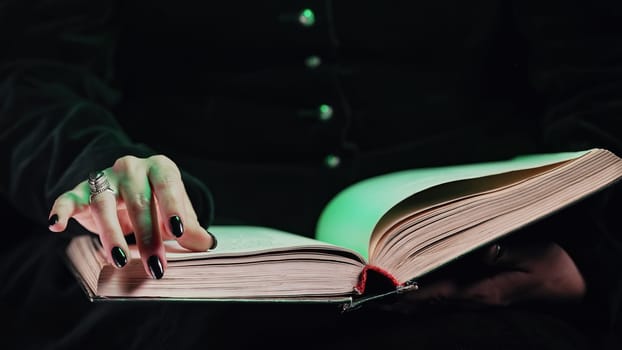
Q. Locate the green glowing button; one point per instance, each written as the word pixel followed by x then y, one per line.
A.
pixel 313 61
pixel 332 161
pixel 325 112
pixel 306 17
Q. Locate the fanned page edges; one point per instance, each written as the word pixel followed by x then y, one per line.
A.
pixel 500 212
pixel 440 195
pixel 369 200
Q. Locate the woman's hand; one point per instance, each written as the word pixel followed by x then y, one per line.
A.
pixel 148 199
pixel 513 272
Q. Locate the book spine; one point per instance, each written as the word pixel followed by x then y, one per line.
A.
pixel 359 289
pixel 357 303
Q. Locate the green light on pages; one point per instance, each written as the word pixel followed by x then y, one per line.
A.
pixel 350 217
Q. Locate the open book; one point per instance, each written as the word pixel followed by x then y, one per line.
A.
pixel 400 225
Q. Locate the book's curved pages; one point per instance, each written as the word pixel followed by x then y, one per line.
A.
pixel 399 226
pixel 251 263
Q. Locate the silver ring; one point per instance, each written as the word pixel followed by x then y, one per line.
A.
pixel 98 184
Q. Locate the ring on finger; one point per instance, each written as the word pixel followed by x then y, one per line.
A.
pixel 98 184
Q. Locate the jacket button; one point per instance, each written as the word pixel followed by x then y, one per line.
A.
pixel 332 161
pixel 306 18
pixel 325 112
pixel 313 61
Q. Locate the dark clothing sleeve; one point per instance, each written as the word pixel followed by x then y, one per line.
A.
pixel 574 61
pixel 57 99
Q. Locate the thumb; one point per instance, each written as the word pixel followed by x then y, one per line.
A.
pixel 499 289
pixel 508 280
pixel 514 274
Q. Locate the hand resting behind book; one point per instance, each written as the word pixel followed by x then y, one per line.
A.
pixel 507 273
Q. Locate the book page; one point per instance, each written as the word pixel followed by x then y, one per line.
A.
pixel 250 263
pixel 434 237
pixel 427 201
pixel 351 216
pixel 236 240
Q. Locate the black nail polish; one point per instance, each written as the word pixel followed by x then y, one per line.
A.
pixel 214 241
pixel 119 257
pixel 176 226
pixel 155 267
pixel 52 220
